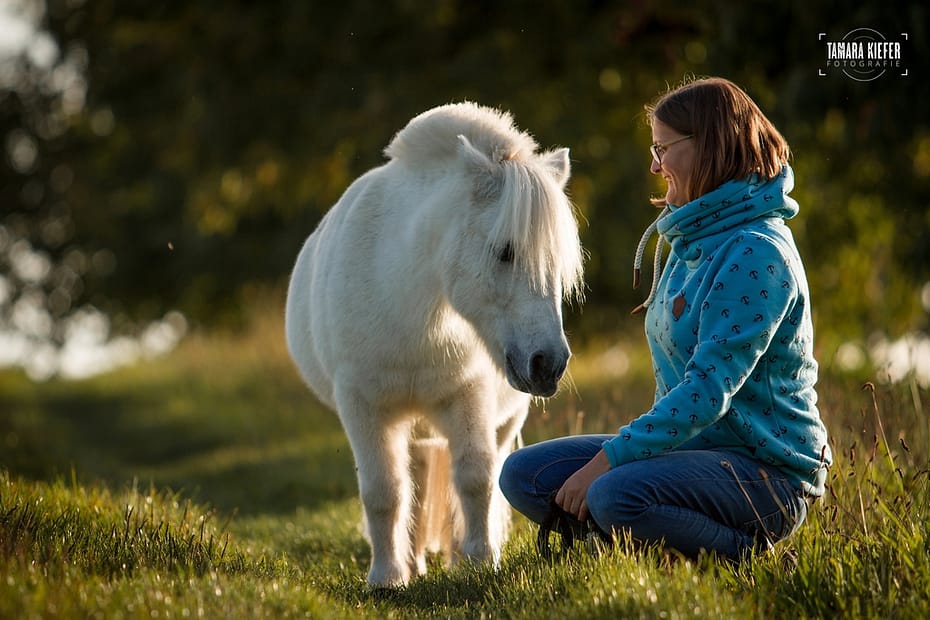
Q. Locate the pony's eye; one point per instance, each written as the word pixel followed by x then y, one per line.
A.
pixel 505 255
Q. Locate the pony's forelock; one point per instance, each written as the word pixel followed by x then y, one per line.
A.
pixel 537 219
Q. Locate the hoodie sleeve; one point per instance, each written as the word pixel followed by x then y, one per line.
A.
pixel 734 312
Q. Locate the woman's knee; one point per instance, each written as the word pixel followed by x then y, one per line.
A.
pixel 513 476
pixel 613 504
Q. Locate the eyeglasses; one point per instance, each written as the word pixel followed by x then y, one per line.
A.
pixel 658 150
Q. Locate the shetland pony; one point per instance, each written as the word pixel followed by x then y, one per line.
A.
pixel 432 292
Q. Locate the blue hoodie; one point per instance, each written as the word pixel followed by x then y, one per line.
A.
pixel 731 337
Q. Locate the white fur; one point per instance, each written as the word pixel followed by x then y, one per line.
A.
pixel 400 307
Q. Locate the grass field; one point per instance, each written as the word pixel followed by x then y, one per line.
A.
pixel 208 484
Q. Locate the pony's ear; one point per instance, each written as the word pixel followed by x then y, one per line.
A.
pixel 484 173
pixel 474 159
pixel 558 162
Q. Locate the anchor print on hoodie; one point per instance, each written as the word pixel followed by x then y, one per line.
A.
pixel 731 337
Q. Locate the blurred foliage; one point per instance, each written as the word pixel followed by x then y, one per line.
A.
pixel 175 154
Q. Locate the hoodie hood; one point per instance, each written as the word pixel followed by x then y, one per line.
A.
pixel 730 206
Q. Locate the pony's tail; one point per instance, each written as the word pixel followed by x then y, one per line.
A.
pixel 436 518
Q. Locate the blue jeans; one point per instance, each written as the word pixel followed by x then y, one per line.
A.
pixel 689 500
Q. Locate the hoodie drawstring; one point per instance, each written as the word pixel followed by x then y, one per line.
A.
pixel 656 264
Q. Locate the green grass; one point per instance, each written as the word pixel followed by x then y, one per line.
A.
pixel 209 484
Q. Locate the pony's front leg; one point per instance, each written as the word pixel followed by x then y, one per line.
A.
pixel 513 408
pixel 474 453
pixel 382 460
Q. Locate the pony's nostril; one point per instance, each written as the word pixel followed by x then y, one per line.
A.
pixel 546 368
pixel 542 367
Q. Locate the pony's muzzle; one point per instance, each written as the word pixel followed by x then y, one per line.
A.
pixel 541 373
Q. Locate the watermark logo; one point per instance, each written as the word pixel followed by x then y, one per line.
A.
pixel 864 54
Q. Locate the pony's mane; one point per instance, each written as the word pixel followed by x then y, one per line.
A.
pixel 432 136
pixel 536 218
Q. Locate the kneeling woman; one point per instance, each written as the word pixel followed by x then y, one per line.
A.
pixel 733 448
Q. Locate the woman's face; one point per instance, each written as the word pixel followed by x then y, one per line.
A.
pixel 676 153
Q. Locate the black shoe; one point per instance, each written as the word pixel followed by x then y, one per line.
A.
pixel 568 527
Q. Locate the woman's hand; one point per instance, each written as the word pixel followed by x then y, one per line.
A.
pixel 571 497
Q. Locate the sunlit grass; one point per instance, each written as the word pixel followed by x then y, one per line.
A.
pixel 58 525
pixel 210 484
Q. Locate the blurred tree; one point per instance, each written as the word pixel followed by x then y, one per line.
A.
pixel 171 155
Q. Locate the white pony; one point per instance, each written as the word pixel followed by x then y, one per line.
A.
pixel 432 291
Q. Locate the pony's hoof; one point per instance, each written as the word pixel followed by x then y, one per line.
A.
pixel 387 579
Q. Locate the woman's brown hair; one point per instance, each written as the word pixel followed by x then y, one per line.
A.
pixel 733 138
